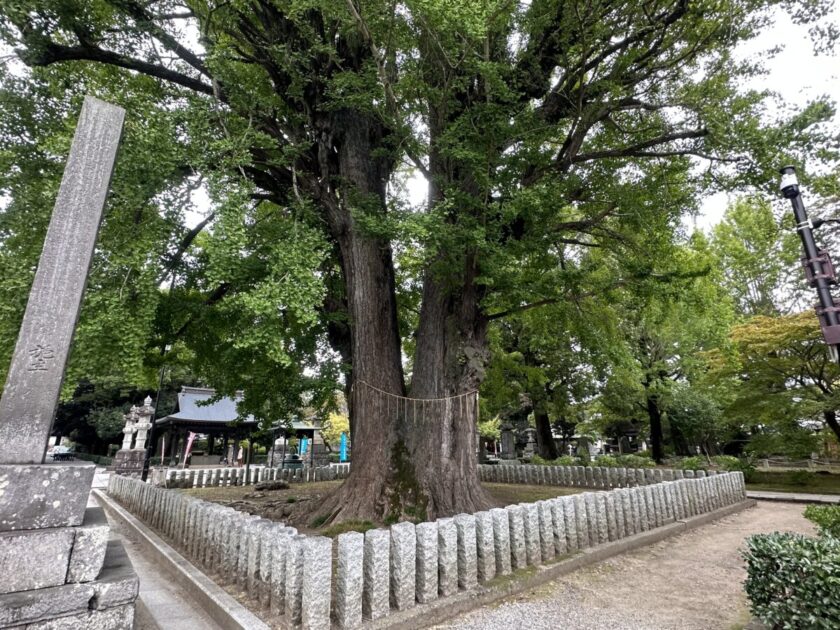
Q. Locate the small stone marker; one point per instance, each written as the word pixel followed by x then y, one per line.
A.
pixel 427 562
pixel 375 600
pixel 516 529
pixel 467 569
pixel 532 533
pixel 485 553
pixel 501 540
pixel 349 579
pixel 447 557
pixel 403 565
pixel 34 379
pixel 317 580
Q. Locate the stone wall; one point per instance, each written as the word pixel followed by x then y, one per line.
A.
pixel 223 477
pixel 595 477
pixel 312 581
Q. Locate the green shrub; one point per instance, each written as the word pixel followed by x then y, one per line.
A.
pixel 726 462
pixel 694 463
pixel 635 461
pixel 826 517
pixel 792 580
pixel 607 461
pixel 563 460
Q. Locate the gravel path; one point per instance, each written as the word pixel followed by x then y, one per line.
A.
pixel 689 582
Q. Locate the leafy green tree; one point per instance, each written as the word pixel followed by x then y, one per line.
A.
pixel 541 128
pixel 758 256
pixel 784 374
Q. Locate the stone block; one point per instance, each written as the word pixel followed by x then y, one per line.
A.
pixel 531 518
pixel 447 557
pixel 317 583
pixel 427 562
pixel 350 553
pixel 294 579
pixel 608 499
pixel 37 496
pixel 89 547
pixel 485 553
pixel 591 505
pixel 117 618
pixel 19 609
pixel 546 531
pixel 570 521
pixel 501 541
pixel 403 565
pixel 581 522
pixel 117 583
pixel 376 568
pixel 516 532
pixel 34 559
pixel 603 522
pixel 467 565
pixel 558 526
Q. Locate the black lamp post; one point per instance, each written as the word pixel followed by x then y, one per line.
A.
pixel 819 270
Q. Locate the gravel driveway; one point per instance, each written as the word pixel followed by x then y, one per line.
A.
pixel 690 582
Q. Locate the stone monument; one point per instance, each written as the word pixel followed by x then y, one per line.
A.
pixel 59 570
pixel 508 442
pixel 531 444
pixel 130 458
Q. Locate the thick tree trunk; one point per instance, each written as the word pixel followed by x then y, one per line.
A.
pixel 545 440
pixel 830 417
pixel 368 272
pixel 449 362
pixel 655 418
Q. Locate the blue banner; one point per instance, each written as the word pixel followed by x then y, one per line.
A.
pixel 304 442
pixel 342 457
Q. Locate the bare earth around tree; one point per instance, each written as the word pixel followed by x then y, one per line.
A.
pixel 691 582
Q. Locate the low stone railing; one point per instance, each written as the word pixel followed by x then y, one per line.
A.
pixel 596 477
pixel 313 580
pixel 223 477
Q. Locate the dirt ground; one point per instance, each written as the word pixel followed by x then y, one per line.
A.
pixel 297 504
pixel 690 582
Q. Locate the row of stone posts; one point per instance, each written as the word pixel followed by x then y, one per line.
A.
pixel 224 477
pixel 595 477
pixel 359 577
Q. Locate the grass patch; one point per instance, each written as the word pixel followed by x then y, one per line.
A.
pixel 347 526
pixel 795 481
pixel 291 500
pixel 319 521
pixel 512 493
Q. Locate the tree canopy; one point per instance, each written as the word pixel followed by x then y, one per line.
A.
pixel 546 132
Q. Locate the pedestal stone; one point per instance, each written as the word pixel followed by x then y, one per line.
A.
pixel 35 496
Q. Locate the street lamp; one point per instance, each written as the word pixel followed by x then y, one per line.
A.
pixel 819 270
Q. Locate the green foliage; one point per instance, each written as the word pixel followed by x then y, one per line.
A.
pixel 563 460
pixel 693 463
pixel 792 580
pixel 826 517
pixel 108 422
pixel 635 461
pixel 800 477
pixel 727 462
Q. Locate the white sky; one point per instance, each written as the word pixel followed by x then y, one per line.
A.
pixel 796 73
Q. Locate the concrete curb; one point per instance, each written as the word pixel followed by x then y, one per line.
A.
pixel 443 609
pixel 793 497
pixel 223 608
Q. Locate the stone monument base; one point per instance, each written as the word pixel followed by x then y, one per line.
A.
pixel 129 462
pixel 59 568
